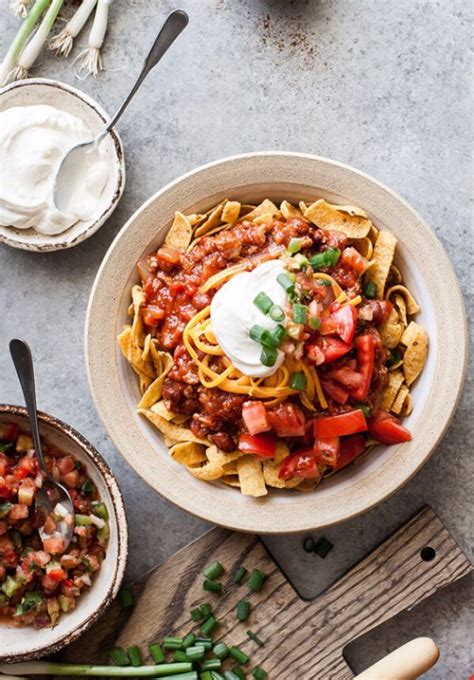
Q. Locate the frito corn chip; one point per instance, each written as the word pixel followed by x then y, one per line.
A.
pixel 416 341
pixel 397 405
pixel 231 480
pixel 209 472
pixel 410 302
pixel 347 219
pixel 219 457
pixel 289 211
pixel 180 233
pixel 161 409
pixel 266 207
pixel 188 453
pixel 271 469
pixel 231 211
pixel 170 430
pixel 212 221
pixel 252 482
pixel 391 330
pixel 383 256
pixel 395 381
pixel 364 246
pixel 153 392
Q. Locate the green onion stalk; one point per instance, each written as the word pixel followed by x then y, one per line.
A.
pixel 49 668
pixel 62 42
pixel 9 63
pixel 90 59
pixel 32 50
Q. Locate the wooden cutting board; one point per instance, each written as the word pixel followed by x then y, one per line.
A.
pixel 303 640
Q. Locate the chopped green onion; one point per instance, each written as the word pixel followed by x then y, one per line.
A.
pixel 213 570
pixel 258 673
pixel 87 488
pixel 256 639
pixel 180 655
pixel 318 261
pixel 195 653
pixel 243 610
pixel 294 246
pixel 268 356
pixel 156 653
pixel 30 600
pixel 196 614
pixel 172 643
pixel 215 675
pixel 211 665
pixel 221 650
pixel 206 609
pixel 324 282
pixel 82 520
pixel 285 282
pixel 184 676
pixel 4 446
pixel 207 675
pixel 212 586
pixel 278 334
pixel 263 302
pixel 119 656
pixel 189 640
pixel 300 313
pixel 365 408
pixel 240 574
pixel 209 625
pixel 314 322
pixel 239 673
pixel 323 547
pixel 295 330
pixel 5 508
pixel 230 675
pixel 298 381
pixel 370 289
pixel 308 544
pixel 205 642
pixel 237 654
pixel 277 313
pixel 333 255
pixel 328 258
pixel 100 510
pixel 393 359
pixel 256 332
pixel 256 580
pixel 135 656
pixel 126 597
pixel 301 260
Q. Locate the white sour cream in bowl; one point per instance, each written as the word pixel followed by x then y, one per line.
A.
pixel 233 313
pixel 33 142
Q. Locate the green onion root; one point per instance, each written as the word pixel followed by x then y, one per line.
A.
pixel 90 59
pixel 8 65
pixel 20 7
pixel 62 42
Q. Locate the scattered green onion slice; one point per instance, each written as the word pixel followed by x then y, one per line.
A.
pixel 314 322
pixel 258 673
pixel 126 597
pixel 263 302
pixel 135 656
pixel 256 580
pixel 324 282
pixel 308 544
pixel 328 258
pixel 294 246
pixel 119 656
pixel 256 332
pixel 156 653
pixel 196 614
pixel 195 653
pixel 211 665
pixel 221 650
pixel 212 586
pixel 323 547
pixel 238 672
pixel 298 381
pixel 180 655
pixel 209 625
pixel 205 642
pixel 243 610
pixel 206 609
pixel 370 289
pixel 268 356
pixel 300 313
pixel 276 313
pixel 255 638
pixel 213 570
pixel 172 643
pixel 189 640
pixel 285 282
pixel 240 574
pixel 393 359
pixel 365 408
pixel 230 675
pixel 237 654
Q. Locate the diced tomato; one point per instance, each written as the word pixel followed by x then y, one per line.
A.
pixel 49 583
pixel 387 429
pixel 365 345
pixel 300 464
pixel 288 420
pixel 347 377
pixel 351 257
pixel 71 479
pixel 65 464
pixel 26 492
pixel 263 445
pixel 342 321
pixel 55 546
pixel 167 255
pixel 334 390
pixel 18 511
pixel 340 425
pixel 152 315
pixel 255 417
pixel 26 467
pixel 331 349
pixel 56 574
pixel 327 450
pixel 351 448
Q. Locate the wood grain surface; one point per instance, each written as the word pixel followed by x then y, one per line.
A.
pixel 303 640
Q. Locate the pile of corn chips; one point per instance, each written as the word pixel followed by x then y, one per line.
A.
pixel 405 337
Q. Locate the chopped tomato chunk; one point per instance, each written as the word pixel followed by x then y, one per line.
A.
pixel 300 464
pixel 342 321
pixel 288 420
pixel 255 417
pixel 334 390
pixel 351 257
pixel 152 315
pixel 347 377
pixel 387 429
pixel 330 348
pixel 365 345
pixel 340 425
pixel 351 448
pixel 263 445
pixel 54 545
pixel 327 450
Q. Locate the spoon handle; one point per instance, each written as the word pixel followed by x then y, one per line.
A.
pixel 21 355
pixel 173 26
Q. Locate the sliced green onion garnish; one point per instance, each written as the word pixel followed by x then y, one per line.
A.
pixel 206 609
pixel 268 356
pixel 393 359
pixel 207 675
pixel 301 260
pixel 126 597
pixel 324 282
pixel 230 675
pixel 256 639
pixel 263 302
pixel 135 656
pixel 365 408
pixel 172 643
pixel 119 656
pixel 285 282
pixel 87 488
pixel 213 570
pixel 323 547
pixel 329 258
pixel 332 256
pixel 318 261
pixel 240 574
pixel 100 510
pixel 276 313
pixel 156 653
pixel 268 339
pixel 205 642
pixel 209 625
pixel 300 312
pixel 256 332
pixel 237 654
pixel 294 246
pixel 308 544
pixel 212 586
pixel 211 665
pixel 298 381
pixel 196 653
pixel 314 322
pixel 196 614
pixel 221 650
pixel 256 580
pixel 243 610
pixel 189 640
pixel 180 655
pixel 278 334
pixel 370 289
pixel 239 673
pixel 258 673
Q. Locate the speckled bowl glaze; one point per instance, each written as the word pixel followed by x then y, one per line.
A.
pixel 21 644
pixel 426 270
pixel 67 98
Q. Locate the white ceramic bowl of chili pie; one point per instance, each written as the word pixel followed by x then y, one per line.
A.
pixel 426 271
pixel 23 643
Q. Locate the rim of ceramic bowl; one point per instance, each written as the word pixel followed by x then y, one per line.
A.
pixel 361 486
pixel 64 242
pixel 120 519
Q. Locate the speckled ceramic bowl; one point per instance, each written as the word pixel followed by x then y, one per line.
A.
pixel 67 98
pixel 21 644
pixel 426 270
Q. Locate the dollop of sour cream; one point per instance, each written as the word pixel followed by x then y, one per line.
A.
pixel 33 142
pixel 233 314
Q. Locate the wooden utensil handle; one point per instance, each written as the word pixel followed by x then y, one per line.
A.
pixel 407 662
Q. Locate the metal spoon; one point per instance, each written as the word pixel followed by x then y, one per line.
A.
pixel 21 355
pixel 69 171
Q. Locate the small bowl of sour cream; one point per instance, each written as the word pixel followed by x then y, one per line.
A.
pixel 40 121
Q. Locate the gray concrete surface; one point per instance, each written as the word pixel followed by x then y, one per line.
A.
pixel 384 86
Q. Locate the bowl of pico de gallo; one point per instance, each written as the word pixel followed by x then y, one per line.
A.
pixel 50 594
